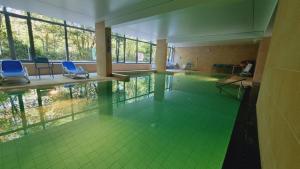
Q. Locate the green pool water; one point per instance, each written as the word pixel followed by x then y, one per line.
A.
pixel 154 121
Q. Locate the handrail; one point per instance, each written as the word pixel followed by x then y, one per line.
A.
pixel 229 83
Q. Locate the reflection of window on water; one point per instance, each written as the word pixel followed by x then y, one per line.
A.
pixel 135 88
pixel 169 82
pixel 35 110
pixel 138 88
pixel 38 109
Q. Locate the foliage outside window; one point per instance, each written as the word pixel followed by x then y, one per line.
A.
pixel 19 30
pixel 113 49
pixel 4 48
pixel 82 45
pixel 120 50
pixel 117 48
pixel 130 53
pixel 49 40
pixel 15 11
pixel 153 53
pixel 144 52
pixel 35 15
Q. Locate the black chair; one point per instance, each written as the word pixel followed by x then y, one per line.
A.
pixel 43 63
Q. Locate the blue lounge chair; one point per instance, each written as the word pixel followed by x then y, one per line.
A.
pixel 71 70
pixel 13 69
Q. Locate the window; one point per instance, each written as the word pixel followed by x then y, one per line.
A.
pixel 120 49
pixel 126 50
pixel 35 15
pixel 144 52
pixel 74 24
pixel 16 11
pixel 4 48
pixel 153 53
pixel 82 45
pixel 114 49
pixel 49 40
pixel 19 30
pixel 170 55
pixel 130 52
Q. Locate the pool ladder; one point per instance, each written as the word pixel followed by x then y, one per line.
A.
pixel 221 86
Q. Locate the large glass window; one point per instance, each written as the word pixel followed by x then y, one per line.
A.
pixel 16 11
pixel 117 48
pixel 170 55
pixel 144 52
pixel 114 49
pixel 49 40
pixel 35 15
pixel 130 52
pixel 153 53
pixel 82 45
pixel 19 30
pixel 120 49
pixel 4 48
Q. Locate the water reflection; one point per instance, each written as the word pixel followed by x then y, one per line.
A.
pixel 104 92
pixel 23 112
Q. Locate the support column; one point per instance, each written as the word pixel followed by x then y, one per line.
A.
pixel 103 50
pixel 161 55
pixel 261 59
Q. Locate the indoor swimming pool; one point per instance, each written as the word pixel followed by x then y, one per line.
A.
pixel 152 121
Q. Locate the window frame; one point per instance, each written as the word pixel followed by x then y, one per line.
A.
pixel 123 61
pixel 65 25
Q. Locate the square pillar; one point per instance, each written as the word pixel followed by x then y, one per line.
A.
pixel 161 55
pixel 261 59
pixel 103 50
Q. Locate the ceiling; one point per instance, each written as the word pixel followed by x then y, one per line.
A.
pixel 179 21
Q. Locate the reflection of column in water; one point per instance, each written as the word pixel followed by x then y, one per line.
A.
pixel 159 87
pixel 72 103
pixel 159 95
pixel 40 108
pixel 22 111
pixel 104 92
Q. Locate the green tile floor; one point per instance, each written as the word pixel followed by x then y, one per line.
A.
pixel 165 122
